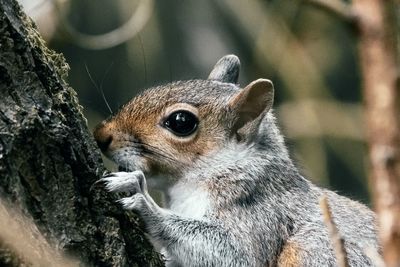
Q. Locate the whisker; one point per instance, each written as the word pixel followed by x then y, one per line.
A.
pixel 101 87
pixel 152 150
pixel 156 150
pixel 97 88
pixel 149 151
pixel 144 59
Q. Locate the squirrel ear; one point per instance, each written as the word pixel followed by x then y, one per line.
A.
pixel 255 99
pixel 226 70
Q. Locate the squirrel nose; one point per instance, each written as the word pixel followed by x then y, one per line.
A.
pixel 103 144
pixel 103 136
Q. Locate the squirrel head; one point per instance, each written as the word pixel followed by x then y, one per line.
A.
pixel 166 129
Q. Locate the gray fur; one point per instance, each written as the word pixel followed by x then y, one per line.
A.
pixel 241 204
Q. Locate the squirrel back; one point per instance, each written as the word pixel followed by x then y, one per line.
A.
pixel 236 197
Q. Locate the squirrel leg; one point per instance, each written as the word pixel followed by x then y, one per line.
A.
pixel 129 182
pixel 192 242
pixel 187 241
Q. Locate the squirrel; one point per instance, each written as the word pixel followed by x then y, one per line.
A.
pixel 236 197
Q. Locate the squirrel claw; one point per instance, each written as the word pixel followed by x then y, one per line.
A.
pixel 98 184
pixel 136 203
pixel 107 174
pixel 130 182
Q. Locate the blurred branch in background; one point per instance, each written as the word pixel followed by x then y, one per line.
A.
pixel 328 118
pixel 25 240
pixel 125 32
pixel 339 9
pixel 43 13
pixel 378 33
pixel 52 13
pixel 379 59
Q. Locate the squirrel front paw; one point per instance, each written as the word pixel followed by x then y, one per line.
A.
pixel 131 182
pixel 137 203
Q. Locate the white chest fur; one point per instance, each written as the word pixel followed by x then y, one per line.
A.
pixel 189 200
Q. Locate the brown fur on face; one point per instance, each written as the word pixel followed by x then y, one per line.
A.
pixel 139 124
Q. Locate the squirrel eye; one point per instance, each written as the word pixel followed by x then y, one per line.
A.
pixel 181 123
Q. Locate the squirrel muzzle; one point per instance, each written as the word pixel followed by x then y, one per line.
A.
pixel 103 136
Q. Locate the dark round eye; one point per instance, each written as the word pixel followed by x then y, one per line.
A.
pixel 181 123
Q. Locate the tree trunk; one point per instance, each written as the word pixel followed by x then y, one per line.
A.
pixel 48 159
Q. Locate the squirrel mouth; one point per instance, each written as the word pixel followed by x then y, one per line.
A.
pixel 122 169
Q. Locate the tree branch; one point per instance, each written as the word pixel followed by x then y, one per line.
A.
pixel 337 8
pixel 378 51
pixel 377 24
pixel 337 240
pixel 125 32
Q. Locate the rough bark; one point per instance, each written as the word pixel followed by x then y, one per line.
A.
pixel 48 159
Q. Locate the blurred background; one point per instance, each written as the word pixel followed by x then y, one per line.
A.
pixel 117 48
